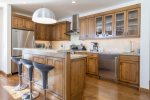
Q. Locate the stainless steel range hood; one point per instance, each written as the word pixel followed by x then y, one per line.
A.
pixel 75 25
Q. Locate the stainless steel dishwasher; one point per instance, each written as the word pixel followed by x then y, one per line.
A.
pixel 108 65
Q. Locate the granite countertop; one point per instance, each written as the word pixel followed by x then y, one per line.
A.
pixel 73 56
pixel 119 53
pixel 59 51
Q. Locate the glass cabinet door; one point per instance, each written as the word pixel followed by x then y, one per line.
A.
pixel 108 25
pixel 133 22
pixel 120 24
pixel 99 26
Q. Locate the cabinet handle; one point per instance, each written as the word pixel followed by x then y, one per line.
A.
pixel 116 62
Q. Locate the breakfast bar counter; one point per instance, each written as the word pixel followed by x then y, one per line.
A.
pixel 66 81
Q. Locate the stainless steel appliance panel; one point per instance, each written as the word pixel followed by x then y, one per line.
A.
pixel 21 39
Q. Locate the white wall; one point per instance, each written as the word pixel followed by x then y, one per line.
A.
pixel 1 27
pixel 145 44
pixel 6 39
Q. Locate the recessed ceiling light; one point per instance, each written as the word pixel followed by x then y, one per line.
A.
pixel 24 2
pixel 73 2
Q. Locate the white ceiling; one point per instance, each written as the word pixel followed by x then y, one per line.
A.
pixel 63 8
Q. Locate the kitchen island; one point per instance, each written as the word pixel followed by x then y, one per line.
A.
pixel 66 81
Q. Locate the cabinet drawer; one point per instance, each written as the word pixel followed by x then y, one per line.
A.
pixel 92 55
pixel 129 58
pixel 81 53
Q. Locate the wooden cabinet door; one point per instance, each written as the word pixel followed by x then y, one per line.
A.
pixel 77 77
pixel 92 65
pixel 49 35
pixel 57 32
pixel 40 32
pixel 55 80
pixel 129 72
pixel 133 23
pixel 20 23
pixel 91 27
pixel 125 72
pixel 14 22
pixel 83 28
pixel 120 24
pixel 29 25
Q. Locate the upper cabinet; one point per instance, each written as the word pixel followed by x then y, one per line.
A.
pixel 87 28
pixel 22 22
pixel 133 22
pixel 99 26
pixel 108 25
pixel 55 32
pixel 118 23
pixel 60 30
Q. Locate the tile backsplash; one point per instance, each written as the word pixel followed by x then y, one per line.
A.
pixel 108 45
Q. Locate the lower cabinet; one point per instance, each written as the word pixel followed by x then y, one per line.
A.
pixel 55 81
pixel 129 69
pixel 92 65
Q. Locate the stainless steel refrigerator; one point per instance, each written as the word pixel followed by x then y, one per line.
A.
pixel 21 39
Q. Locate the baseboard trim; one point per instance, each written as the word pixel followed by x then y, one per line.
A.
pixel 144 90
pixel 4 74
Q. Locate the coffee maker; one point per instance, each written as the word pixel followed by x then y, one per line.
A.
pixel 94 46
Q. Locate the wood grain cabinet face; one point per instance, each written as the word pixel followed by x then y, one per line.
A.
pixel 83 28
pixel 21 22
pixel 133 23
pixel 91 27
pixel 129 70
pixel 92 64
pixel 55 81
pixel 120 24
pixel 108 25
pixel 87 28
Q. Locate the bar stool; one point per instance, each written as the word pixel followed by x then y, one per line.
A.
pixel 20 86
pixel 32 94
pixel 44 69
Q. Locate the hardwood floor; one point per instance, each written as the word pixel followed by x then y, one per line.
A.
pixel 94 90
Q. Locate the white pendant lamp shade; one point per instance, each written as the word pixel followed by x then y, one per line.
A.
pixel 44 16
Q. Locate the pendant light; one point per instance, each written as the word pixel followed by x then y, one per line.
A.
pixel 44 16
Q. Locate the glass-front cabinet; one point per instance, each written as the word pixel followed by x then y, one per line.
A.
pixel 99 27
pixel 108 25
pixel 133 23
pixel 120 18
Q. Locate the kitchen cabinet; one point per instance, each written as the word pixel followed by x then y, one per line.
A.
pixel 108 25
pixel 92 64
pixel 60 29
pixel 99 27
pixel 120 24
pixel 83 28
pixel 22 22
pixel 45 32
pixel 41 32
pixel 56 84
pixel 133 23
pixel 129 69
pixel 87 28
